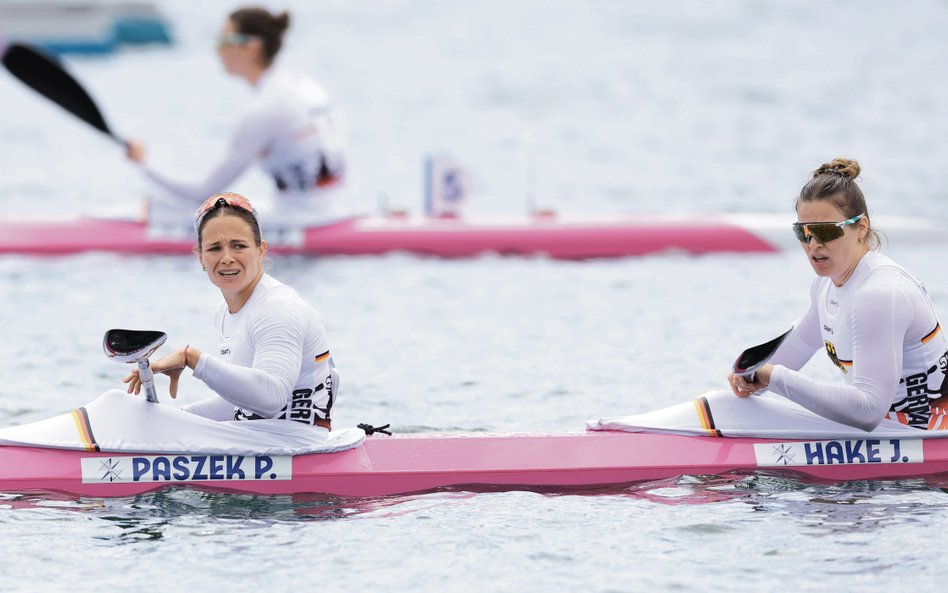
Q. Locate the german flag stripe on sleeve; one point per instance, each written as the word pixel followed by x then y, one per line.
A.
pixel 81 418
pixel 932 333
pixel 321 357
pixel 704 417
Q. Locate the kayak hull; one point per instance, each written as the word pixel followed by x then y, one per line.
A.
pixel 558 237
pixel 420 463
pixel 449 238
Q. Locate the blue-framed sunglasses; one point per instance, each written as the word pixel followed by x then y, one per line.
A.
pixel 229 39
pixel 823 232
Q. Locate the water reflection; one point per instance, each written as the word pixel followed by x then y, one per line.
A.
pixel 828 509
pixel 148 516
pixel 819 509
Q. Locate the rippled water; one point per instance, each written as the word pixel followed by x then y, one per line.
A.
pixel 754 533
pixel 618 106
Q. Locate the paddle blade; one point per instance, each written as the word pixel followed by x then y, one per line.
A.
pixel 753 358
pixel 129 345
pixel 45 76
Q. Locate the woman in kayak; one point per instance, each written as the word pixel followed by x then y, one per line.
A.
pixel 273 360
pixel 290 127
pixel 874 319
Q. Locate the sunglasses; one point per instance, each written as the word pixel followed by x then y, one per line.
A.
pixel 219 201
pixel 823 232
pixel 229 39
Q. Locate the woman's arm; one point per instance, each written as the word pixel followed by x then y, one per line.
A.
pixel 805 339
pixel 277 335
pixel 794 352
pixel 880 317
pixel 252 137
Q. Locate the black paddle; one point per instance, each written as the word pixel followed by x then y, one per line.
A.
pixel 135 346
pixel 753 358
pixel 47 77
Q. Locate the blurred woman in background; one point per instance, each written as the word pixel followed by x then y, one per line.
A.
pixel 289 127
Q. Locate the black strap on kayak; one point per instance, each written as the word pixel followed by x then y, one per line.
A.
pixel 369 429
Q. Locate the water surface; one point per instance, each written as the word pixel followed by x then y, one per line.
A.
pixel 601 107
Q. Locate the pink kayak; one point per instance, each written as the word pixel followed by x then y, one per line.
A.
pixel 417 463
pixel 558 237
pixel 120 445
pixel 437 237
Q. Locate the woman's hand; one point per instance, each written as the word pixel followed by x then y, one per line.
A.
pixel 135 151
pixel 744 388
pixel 172 365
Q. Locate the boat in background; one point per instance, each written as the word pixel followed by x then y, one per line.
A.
pixel 83 27
pixel 551 235
pixel 442 232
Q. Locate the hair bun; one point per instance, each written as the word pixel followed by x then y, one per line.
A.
pixel 847 168
pixel 282 21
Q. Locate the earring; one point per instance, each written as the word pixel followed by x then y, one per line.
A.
pixel 203 268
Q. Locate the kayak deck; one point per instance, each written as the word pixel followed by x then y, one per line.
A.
pixel 405 464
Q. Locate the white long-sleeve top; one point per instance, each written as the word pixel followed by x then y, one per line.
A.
pixel 292 130
pixel 880 329
pixel 273 360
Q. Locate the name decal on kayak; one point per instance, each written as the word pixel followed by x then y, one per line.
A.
pixel 185 468
pixel 841 452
